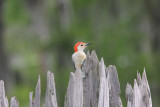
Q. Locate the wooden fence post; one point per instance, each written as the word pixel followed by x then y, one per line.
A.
pixel 101 84
pixel 36 101
pixel 14 102
pixel 99 88
pixel 3 98
pixel 50 99
pixel 139 95
pixel 74 95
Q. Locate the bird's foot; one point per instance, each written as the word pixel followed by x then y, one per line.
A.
pixel 83 74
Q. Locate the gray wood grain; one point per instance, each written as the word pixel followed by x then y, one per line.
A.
pixel 36 101
pixel 14 102
pixel 50 99
pixel 114 87
pixel 74 95
pixel 3 98
pixel 30 99
pixel 99 83
pixel 99 88
pixel 91 80
pixel 103 89
pixel 69 94
pixel 139 95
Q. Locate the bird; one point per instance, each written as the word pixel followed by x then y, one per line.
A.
pixel 79 56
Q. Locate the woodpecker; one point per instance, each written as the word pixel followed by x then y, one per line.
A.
pixel 79 56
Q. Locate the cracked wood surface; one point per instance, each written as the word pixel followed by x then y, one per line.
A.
pixel 99 88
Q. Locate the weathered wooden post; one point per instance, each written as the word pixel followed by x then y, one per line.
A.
pixel 50 99
pixel 3 98
pixel 139 95
pixel 36 101
pixel 99 88
pixel 101 83
pixel 14 102
pixel 74 95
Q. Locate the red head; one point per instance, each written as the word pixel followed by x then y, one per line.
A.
pixel 80 46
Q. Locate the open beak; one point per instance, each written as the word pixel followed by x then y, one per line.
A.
pixel 87 44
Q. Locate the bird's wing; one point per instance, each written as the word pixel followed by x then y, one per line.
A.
pixel 73 64
pixel 83 63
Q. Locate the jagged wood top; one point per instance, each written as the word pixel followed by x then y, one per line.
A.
pixel 139 95
pixel 99 88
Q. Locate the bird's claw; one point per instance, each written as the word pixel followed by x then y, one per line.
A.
pixel 83 74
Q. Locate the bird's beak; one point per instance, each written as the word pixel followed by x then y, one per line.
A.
pixel 87 44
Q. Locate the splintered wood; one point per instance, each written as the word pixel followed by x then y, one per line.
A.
pixel 139 95
pixel 99 88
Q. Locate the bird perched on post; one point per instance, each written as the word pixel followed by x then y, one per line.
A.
pixel 79 56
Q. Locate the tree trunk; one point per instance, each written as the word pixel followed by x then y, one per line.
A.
pixel 39 26
pixel 153 7
pixel 5 73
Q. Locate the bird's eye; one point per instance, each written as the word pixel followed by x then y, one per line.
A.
pixel 81 45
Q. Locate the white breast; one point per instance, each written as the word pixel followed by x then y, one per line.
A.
pixel 78 58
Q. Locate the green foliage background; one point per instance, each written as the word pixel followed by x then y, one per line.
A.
pixel 118 31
